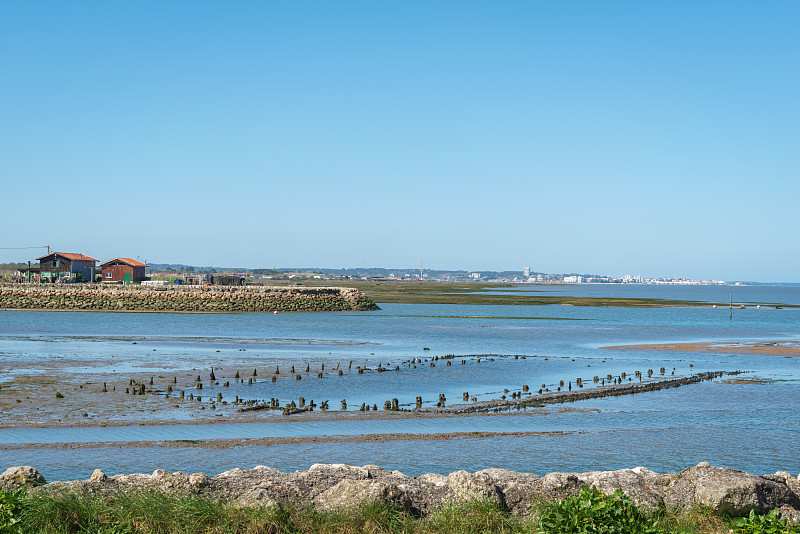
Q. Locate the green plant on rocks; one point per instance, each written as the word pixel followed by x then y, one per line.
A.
pixel 591 511
pixel 10 508
pixel 771 523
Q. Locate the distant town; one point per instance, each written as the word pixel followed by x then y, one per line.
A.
pixel 77 267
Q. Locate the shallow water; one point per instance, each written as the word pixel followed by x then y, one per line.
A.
pixel 720 294
pixel 659 430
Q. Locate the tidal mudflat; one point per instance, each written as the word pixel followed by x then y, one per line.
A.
pixel 451 356
pixel 766 348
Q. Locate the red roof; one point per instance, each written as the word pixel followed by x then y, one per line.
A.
pixel 69 256
pixel 129 261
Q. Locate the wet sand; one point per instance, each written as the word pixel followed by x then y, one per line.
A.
pixel 31 401
pixel 32 398
pixel 272 441
pixel 70 393
pixel 766 348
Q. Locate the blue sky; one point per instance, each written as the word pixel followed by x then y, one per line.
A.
pixel 596 137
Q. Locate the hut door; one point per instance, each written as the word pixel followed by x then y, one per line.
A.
pixel 127 277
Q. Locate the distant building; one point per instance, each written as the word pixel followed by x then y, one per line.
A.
pixel 29 273
pixel 123 270
pixel 526 272
pixel 66 266
pixel 227 280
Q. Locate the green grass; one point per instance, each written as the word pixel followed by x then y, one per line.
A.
pixel 142 511
pixel 520 317
pixel 466 293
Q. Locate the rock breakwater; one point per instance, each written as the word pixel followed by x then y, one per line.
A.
pixel 335 486
pixel 98 297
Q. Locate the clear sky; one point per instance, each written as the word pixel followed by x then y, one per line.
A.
pixel 653 138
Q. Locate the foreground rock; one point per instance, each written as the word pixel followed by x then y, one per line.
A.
pixel 729 492
pixel 332 486
pixel 21 476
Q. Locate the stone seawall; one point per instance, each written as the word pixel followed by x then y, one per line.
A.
pixel 333 486
pixel 98 297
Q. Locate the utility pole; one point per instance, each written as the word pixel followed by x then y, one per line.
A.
pixel 731 308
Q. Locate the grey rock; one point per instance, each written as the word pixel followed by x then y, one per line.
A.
pixel 334 486
pixel 728 491
pixel 199 480
pixel 466 487
pixel 788 479
pixel 792 515
pixel 261 485
pixel 350 493
pixel 21 476
pixel 643 486
pixel 561 485
pixel 97 477
pixel 519 490
pixel 434 480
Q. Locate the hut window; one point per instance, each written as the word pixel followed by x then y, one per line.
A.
pixel 108 274
pixel 55 262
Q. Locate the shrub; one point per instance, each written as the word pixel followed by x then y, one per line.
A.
pixel 591 511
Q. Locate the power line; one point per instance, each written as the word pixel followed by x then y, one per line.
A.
pixel 22 248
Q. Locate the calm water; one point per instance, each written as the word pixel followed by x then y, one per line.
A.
pixel 712 293
pixel 747 426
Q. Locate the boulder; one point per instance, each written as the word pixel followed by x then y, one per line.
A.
pixel 644 487
pixel 97 477
pixel 519 490
pixel 350 493
pixel 336 486
pixel 427 492
pixel 261 485
pixel 786 478
pixel 199 480
pixel 464 487
pixel 561 485
pixel 21 476
pixel 728 491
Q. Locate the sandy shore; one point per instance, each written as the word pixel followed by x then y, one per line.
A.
pixel 766 348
